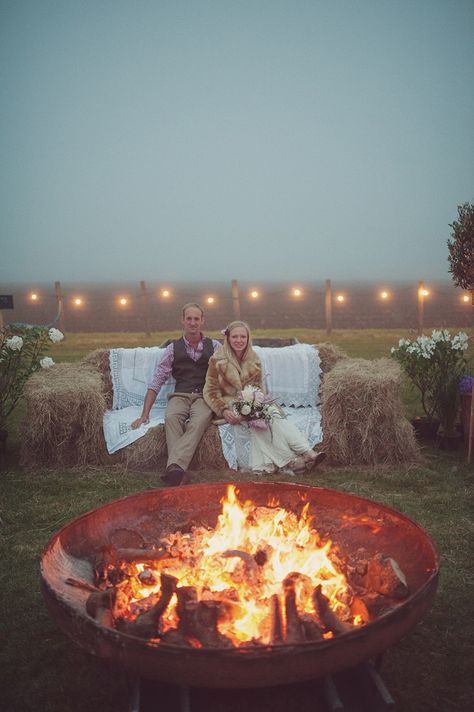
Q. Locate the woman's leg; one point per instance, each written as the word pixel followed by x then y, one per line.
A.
pixel 288 433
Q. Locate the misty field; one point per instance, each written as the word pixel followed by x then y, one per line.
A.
pixel 42 671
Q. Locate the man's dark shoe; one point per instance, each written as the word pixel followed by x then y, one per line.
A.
pixel 175 476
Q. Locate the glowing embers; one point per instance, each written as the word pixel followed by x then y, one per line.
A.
pixel 262 576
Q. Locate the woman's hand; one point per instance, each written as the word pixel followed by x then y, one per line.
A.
pixel 142 420
pixel 230 417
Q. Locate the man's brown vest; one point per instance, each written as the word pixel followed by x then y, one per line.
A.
pixel 190 375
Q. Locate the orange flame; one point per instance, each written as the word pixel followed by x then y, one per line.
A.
pixel 243 562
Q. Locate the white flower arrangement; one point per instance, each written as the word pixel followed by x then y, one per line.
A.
pixel 435 366
pixel 22 348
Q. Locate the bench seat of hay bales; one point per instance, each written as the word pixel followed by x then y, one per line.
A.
pixel 362 417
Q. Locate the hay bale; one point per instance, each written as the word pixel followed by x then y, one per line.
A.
pixel 99 360
pixel 329 354
pixel 209 451
pixel 362 413
pixel 148 452
pixel 63 425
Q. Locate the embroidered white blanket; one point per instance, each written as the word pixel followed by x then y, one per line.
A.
pixel 131 371
pixel 292 374
pixel 292 377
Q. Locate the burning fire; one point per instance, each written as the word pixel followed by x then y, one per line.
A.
pixel 264 568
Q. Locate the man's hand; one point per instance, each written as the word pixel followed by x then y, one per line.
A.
pixel 142 420
pixel 230 417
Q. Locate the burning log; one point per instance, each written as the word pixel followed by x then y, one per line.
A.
pixel 99 606
pixel 177 636
pixel 276 637
pixel 104 560
pixel 108 562
pixel 386 577
pixel 185 594
pixel 326 615
pixel 311 629
pixel 200 620
pixel 251 566
pixel 78 583
pixel 146 624
pixel 294 627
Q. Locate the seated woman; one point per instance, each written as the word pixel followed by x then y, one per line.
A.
pixel 233 367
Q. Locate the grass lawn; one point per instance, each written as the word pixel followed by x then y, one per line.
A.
pixel 41 670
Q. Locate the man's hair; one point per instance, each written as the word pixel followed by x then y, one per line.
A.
pixel 191 304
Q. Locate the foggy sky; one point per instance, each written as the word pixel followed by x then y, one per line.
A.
pixel 211 140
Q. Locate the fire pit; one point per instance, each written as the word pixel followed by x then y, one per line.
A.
pixel 346 579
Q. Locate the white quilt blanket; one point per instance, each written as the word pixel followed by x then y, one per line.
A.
pixel 292 377
pixel 131 371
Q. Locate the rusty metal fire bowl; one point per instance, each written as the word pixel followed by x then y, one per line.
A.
pixel 351 522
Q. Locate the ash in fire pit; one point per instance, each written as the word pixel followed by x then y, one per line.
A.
pixel 175 586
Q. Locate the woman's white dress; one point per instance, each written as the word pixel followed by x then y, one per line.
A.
pixel 276 446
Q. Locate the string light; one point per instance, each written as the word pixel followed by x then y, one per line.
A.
pixel 293 292
pixel 297 292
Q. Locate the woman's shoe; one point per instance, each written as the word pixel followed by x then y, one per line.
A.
pixel 313 462
pixel 286 471
pixel 298 465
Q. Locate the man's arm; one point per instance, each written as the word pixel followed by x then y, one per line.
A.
pixel 150 398
pixel 160 376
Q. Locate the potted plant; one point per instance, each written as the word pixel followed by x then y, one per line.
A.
pixel 435 366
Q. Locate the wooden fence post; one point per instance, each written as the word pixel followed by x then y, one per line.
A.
pixel 235 299
pixel 60 305
pixel 145 307
pixel 328 307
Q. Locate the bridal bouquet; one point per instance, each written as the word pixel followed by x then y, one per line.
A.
pixel 256 408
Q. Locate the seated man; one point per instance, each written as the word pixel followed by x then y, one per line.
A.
pixel 187 414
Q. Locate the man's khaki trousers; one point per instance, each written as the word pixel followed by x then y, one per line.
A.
pixel 187 419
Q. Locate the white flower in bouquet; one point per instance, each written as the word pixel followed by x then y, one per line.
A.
pixel 15 343
pixel 46 362
pixel 259 397
pixel 248 393
pixel 256 408
pixel 55 335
